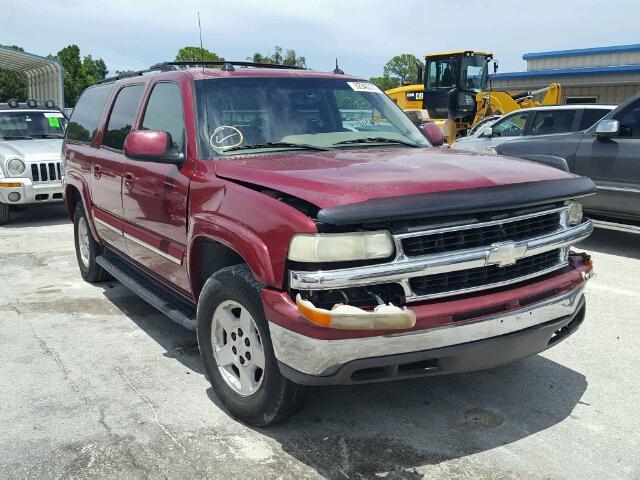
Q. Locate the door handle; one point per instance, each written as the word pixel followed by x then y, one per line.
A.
pixel 128 180
pixel 97 171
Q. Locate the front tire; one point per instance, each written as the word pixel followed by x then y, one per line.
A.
pixel 235 347
pixel 4 213
pixel 87 249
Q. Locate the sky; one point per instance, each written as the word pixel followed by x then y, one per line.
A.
pixel 363 35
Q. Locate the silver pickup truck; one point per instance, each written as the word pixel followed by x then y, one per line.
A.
pixel 31 136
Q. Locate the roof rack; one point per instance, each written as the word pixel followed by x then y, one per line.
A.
pixel 226 65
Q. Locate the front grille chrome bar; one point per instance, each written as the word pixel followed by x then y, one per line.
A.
pixel 402 268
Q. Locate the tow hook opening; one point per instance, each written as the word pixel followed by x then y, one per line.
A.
pixel 348 317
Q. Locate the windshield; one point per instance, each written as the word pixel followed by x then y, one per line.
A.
pixel 474 73
pixel 25 125
pixel 253 115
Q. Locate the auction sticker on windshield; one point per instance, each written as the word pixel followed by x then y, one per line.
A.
pixel 53 115
pixel 364 87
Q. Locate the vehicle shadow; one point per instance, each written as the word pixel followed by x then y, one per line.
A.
pixel 178 342
pixel 613 243
pixel 363 430
pixel 38 216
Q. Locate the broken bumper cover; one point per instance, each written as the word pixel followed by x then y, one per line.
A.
pixel 311 354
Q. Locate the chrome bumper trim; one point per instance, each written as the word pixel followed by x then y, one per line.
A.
pixel 403 268
pixel 323 357
pixel 619 227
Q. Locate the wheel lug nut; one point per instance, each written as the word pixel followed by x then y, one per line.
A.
pixel 233 335
pixel 248 355
pixel 247 342
pixel 241 360
pixel 234 350
pixel 239 332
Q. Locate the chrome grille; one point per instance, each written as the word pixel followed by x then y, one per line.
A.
pixel 46 172
pixel 473 237
pixel 473 278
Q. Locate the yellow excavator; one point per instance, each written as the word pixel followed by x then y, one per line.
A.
pixel 454 91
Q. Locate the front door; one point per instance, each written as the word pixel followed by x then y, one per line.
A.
pixel 108 167
pixel 614 165
pixel 155 194
pixel 508 128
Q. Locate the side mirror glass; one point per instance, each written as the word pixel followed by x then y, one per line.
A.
pixel 433 133
pixel 487 132
pixel 607 129
pixel 151 146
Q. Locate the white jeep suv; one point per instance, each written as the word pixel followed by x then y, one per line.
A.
pixel 31 136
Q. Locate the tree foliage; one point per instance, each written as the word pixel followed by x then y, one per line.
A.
pixel 385 82
pixel 78 73
pixel 197 54
pixel 289 58
pixel 404 67
pixel 12 84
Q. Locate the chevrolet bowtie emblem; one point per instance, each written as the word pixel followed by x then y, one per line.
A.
pixel 505 253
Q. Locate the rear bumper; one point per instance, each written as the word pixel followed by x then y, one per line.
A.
pixel 31 193
pixel 303 357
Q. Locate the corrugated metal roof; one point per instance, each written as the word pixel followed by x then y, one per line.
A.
pixel 564 72
pixel 583 51
pixel 44 76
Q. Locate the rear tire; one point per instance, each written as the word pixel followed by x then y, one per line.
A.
pixel 87 249
pixel 231 323
pixel 4 213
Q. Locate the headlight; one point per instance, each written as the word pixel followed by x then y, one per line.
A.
pixel 340 247
pixel 575 214
pixel 15 166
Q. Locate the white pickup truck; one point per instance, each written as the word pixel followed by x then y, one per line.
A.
pixel 31 136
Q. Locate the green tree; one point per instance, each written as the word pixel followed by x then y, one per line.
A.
pixel 403 67
pixel 12 84
pixel 385 82
pixel 125 73
pixel 78 73
pixel 197 54
pixel 289 58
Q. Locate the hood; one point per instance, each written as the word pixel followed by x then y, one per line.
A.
pixel 333 178
pixel 35 150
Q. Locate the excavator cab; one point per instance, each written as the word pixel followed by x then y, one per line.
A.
pixel 451 82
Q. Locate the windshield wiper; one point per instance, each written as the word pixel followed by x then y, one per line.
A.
pixel 16 137
pixel 376 140
pixel 50 135
pixel 274 145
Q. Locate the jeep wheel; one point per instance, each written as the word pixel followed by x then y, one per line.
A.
pixel 235 346
pixel 87 249
pixel 4 213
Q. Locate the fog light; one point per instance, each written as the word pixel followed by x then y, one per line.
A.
pixel 575 214
pixel 13 196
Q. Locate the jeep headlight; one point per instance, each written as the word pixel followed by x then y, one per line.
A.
pixel 340 247
pixel 574 216
pixel 15 166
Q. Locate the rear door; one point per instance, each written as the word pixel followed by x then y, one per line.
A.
pixel 108 165
pixel 155 194
pixel 614 165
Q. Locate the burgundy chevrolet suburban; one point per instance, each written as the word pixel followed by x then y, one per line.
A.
pixel 312 235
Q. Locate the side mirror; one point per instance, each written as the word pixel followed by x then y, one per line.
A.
pixel 151 146
pixel 433 133
pixel 607 129
pixel 487 132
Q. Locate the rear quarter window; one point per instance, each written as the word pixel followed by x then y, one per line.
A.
pixel 86 114
pixel 552 121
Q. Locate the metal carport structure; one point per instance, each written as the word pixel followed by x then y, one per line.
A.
pixel 44 77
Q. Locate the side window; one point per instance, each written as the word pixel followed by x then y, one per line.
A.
pixel 512 126
pixel 591 116
pixel 630 121
pixel 86 115
pixel 164 112
pixel 552 121
pixel 122 116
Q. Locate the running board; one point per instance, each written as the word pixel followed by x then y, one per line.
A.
pixel 172 305
pixel 620 227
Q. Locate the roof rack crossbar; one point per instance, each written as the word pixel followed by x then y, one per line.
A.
pixel 167 66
